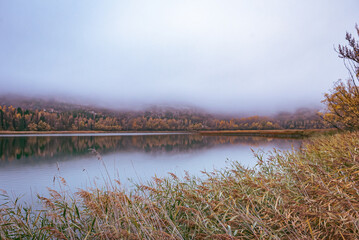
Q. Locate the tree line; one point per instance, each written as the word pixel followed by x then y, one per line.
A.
pixel 19 119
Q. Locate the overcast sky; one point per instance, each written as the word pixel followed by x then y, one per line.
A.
pixel 226 55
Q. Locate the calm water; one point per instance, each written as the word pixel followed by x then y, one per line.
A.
pixel 28 164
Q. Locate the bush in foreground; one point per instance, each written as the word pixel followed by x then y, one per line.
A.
pixel 342 103
pixel 307 194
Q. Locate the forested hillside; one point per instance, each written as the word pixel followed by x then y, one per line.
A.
pixel 63 118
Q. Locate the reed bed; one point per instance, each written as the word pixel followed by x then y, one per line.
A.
pixel 312 193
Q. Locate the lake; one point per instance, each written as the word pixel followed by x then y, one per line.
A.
pixel 28 164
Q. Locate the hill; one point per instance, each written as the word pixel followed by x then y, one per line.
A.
pixel 38 114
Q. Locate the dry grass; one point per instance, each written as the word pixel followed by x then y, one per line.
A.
pixel 308 194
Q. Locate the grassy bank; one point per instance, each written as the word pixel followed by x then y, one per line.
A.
pixel 308 194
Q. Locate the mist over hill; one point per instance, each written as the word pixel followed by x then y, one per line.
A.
pixel 63 104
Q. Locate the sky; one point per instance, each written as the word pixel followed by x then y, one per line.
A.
pixel 227 56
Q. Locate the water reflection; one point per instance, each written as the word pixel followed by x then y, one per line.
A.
pixel 29 164
pixel 39 148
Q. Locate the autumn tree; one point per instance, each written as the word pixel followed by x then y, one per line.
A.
pixel 343 100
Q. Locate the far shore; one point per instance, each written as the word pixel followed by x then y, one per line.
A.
pixel 264 133
pixel 85 133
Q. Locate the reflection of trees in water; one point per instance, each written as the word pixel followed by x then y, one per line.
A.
pixel 12 148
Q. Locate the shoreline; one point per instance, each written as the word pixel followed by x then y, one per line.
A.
pixel 83 133
pixel 263 133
